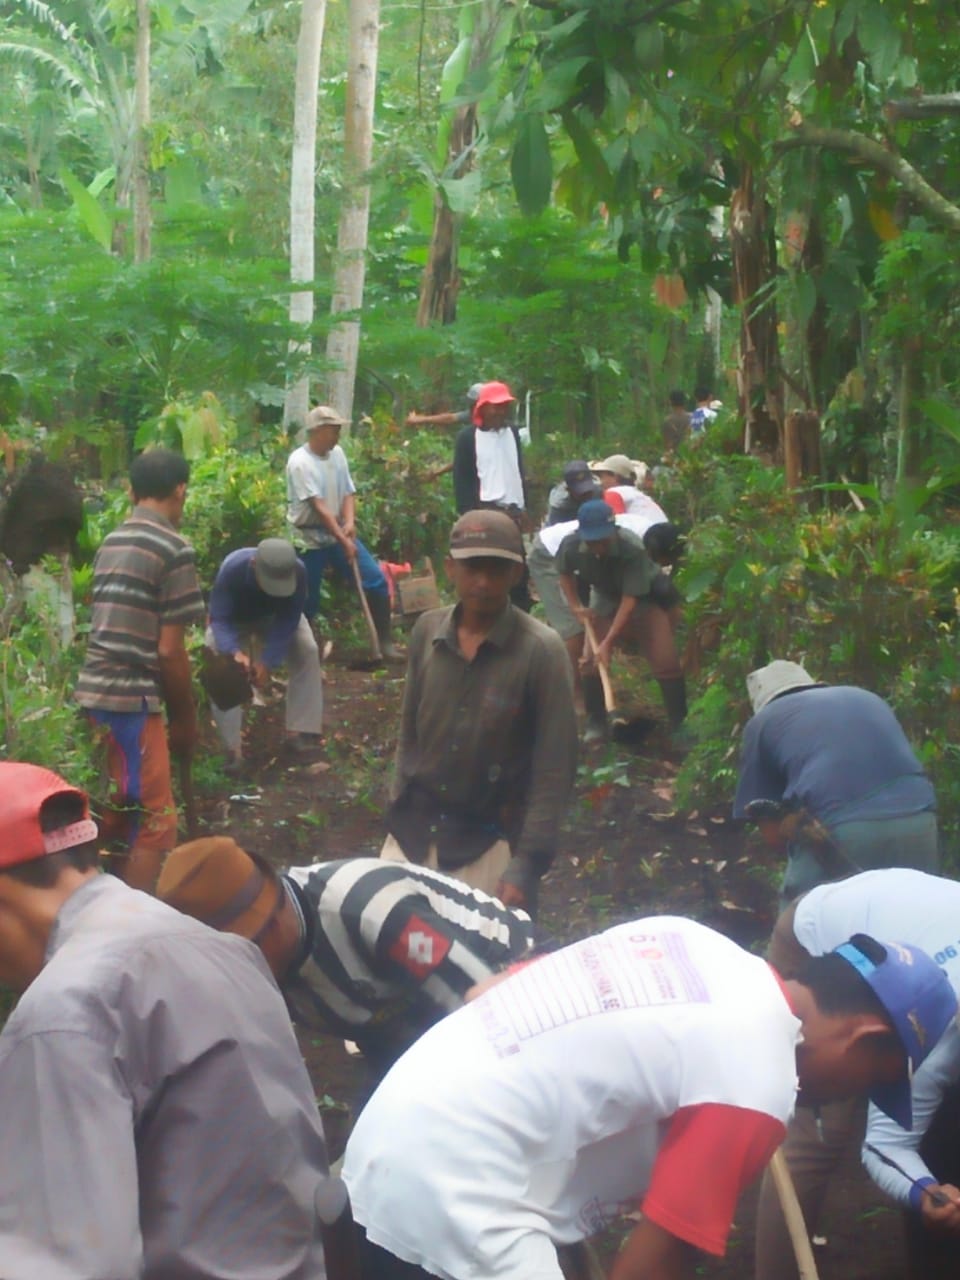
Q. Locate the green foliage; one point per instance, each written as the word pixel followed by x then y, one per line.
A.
pixel 404 509
pixel 858 598
pixel 116 340
pixel 235 499
pixel 39 721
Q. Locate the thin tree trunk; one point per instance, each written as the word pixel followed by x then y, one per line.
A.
pixel 343 342
pixel 141 154
pixel 302 189
pixel 754 267
pixel 909 376
pixel 441 275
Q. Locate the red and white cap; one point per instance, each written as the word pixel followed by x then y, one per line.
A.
pixel 24 789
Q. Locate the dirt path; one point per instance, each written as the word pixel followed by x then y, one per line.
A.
pixel 625 853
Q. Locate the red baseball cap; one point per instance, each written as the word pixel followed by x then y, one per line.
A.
pixel 24 789
pixel 491 393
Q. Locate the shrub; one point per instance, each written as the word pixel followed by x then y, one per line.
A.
pixel 858 598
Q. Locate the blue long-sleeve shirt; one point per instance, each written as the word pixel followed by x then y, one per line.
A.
pixel 237 603
pixel 839 751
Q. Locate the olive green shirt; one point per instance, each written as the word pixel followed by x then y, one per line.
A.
pixel 625 570
pixel 488 748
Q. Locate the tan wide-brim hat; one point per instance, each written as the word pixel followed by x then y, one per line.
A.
pixel 220 884
pixel 618 464
pixel 779 676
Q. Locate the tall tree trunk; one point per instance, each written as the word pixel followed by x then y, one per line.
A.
pixel 343 342
pixel 302 189
pixel 817 338
pixel 754 269
pixel 141 145
pixel 441 276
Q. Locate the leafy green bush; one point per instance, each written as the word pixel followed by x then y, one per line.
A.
pixel 39 721
pixel 858 598
pixel 235 499
pixel 404 507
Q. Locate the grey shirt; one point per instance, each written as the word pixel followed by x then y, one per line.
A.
pixel 156 1117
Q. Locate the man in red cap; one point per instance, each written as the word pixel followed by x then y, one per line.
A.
pixel 156 1114
pixel 488 466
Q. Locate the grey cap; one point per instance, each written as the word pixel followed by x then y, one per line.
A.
pixel 779 676
pixel 275 567
pixel 473 392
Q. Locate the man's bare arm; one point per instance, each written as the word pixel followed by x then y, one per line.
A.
pixel 177 690
pixel 651 1253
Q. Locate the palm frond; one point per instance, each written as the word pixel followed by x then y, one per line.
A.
pixel 25 51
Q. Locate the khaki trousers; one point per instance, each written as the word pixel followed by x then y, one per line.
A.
pixel 484 873
pixel 304 705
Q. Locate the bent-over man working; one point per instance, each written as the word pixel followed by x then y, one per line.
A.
pixel 839 753
pixel 155 1113
pixel 630 598
pixel 375 951
pixel 924 1177
pixel 256 616
pixel 654 1063
pixel 487 750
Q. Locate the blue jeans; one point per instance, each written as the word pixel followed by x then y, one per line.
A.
pixel 317 559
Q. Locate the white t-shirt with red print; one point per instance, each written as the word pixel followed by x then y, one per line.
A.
pixel 650 1065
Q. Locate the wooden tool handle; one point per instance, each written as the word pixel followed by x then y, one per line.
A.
pixel 189 799
pixel 609 699
pixel 371 625
pixel 793 1215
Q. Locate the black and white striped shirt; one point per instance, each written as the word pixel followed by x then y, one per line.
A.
pixel 383 939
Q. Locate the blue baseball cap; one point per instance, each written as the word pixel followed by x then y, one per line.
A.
pixel 595 520
pixel 921 1004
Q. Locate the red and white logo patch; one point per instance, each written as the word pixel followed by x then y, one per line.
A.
pixel 419 949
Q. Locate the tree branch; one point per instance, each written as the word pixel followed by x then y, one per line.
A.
pixel 562 6
pixel 926 106
pixel 876 156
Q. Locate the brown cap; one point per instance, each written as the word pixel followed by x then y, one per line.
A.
pixel 486 534
pixel 216 882
pixel 323 416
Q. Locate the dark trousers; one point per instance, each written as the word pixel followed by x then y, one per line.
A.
pixel 931 1256
pixel 378 1264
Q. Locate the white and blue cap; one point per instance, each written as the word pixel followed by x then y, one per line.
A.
pixel 921 1004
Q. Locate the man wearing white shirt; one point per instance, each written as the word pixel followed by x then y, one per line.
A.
pixel 656 1062
pixel 488 467
pixel 924 911
pixel 322 510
